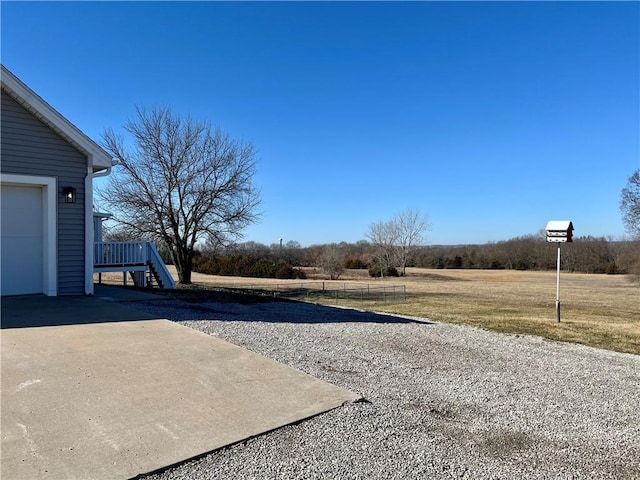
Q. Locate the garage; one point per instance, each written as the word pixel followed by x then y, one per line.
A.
pixel 46 235
pixel 22 240
pixel 28 235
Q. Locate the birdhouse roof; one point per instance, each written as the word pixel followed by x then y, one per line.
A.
pixel 559 225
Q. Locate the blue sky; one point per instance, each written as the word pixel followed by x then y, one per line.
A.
pixel 490 118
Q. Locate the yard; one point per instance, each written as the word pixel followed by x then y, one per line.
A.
pixel 597 310
pixel 441 400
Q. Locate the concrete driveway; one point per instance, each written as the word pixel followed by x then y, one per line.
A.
pixel 88 398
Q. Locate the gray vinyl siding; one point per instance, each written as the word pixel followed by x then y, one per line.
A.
pixel 29 147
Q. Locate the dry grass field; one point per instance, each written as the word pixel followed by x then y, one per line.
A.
pixel 597 310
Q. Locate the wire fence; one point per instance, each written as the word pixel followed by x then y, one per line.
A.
pixel 337 291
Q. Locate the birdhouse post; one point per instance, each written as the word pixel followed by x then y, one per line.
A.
pixel 559 231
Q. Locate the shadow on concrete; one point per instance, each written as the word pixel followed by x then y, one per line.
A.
pixel 119 304
pixel 42 311
pixel 272 312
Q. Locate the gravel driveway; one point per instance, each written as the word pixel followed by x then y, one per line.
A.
pixel 442 401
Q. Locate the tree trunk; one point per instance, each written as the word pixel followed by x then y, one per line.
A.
pixel 186 275
pixel 183 262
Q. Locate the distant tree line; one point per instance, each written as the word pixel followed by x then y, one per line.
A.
pixel 250 259
pixel 530 252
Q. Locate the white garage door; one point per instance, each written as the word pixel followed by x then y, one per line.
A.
pixel 22 262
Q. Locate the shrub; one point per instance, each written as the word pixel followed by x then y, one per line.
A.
pixel 262 268
pixel 612 269
pixel 495 265
pixel 374 271
pixel 286 270
pixel 205 264
pixel 355 263
pixel 521 265
pixel 245 265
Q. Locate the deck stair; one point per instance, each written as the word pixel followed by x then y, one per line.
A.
pixel 140 260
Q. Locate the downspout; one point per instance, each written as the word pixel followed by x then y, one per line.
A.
pixel 88 231
pixel 88 225
pixel 105 172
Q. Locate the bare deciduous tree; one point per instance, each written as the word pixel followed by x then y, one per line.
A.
pixel 331 260
pixel 179 181
pixel 382 235
pixel 410 226
pixel 396 239
pixel 630 207
pixel 630 204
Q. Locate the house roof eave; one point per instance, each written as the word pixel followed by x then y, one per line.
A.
pixel 97 158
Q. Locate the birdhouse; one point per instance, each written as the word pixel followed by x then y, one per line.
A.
pixel 559 231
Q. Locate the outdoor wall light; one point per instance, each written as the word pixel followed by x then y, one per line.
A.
pixel 69 194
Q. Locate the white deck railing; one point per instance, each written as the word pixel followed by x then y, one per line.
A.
pixel 119 253
pixel 138 257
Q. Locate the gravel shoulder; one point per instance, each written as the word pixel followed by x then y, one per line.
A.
pixel 442 401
